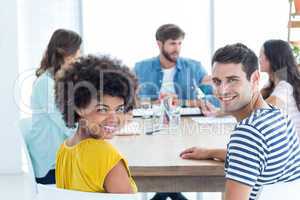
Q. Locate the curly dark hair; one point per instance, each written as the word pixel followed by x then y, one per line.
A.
pixel 237 53
pixel 62 43
pixel 92 77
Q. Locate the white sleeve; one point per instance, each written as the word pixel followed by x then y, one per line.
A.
pixel 282 90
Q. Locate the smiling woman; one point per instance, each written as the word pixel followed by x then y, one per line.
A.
pixel 96 92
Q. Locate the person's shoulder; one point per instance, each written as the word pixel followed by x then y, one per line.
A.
pixel 258 116
pixel 284 83
pixel 146 66
pixel 96 145
pixel 283 86
pixel 260 119
pixel 189 61
pixel 43 82
pixel 146 62
pixel 44 78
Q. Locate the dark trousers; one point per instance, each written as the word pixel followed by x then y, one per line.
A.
pixel 165 195
pixel 48 179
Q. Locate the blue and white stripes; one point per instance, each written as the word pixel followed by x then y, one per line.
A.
pixel 263 149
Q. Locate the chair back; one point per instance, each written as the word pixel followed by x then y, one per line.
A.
pixel 25 128
pixel 47 192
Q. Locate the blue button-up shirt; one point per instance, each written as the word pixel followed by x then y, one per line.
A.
pixel 48 130
pixel 188 75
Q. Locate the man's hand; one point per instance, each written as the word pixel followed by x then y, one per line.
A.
pixel 208 109
pixel 195 153
pixel 175 100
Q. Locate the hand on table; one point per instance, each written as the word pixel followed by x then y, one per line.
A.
pixel 195 153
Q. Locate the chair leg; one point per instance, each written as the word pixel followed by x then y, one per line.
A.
pixel 199 196
pixel 223 195
pixel 144 196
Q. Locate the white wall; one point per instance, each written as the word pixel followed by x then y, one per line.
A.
pixel 10 151
pixel 250 22
pixel 26 27
pixel 37 21
pixel 126 29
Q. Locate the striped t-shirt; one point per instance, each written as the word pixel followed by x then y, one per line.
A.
pixel 263 149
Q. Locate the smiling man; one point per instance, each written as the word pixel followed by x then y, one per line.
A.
pixel 169 73
pixel 263 148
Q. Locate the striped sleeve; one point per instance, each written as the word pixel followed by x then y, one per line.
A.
pixel 245 155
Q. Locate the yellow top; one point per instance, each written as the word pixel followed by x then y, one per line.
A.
pixel 84 166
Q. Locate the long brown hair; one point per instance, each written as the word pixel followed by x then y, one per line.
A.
pixel 283 65
pixel 62 43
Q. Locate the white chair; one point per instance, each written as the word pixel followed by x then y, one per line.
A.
pixel 25 127
pixel 280 191
pixel 50 192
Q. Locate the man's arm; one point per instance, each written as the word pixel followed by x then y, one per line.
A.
pixel 196 153
pixel 236 191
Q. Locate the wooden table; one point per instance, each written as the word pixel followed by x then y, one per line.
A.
pixel 156 166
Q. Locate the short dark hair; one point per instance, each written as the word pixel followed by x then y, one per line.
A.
pixel 62 43
pixel 237 53
pixel 169 31
pixel 89 78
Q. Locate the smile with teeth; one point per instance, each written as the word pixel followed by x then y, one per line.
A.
pixel 227 98
pixel 109 128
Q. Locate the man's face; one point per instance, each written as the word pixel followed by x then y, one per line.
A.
pixel 231 86
pixel 170 49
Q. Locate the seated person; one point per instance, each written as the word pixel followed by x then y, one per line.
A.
pixel 263 148
pixel 276 58
pixel 170 74
pixel 96 92
pixel 48 129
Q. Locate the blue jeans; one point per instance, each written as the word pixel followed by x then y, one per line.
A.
pixel 165 195
pixel 48 179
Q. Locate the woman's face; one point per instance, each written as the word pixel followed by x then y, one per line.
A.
pixel 104 118
pixel 264 62
pixel 71 59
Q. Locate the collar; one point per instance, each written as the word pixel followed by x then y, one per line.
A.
pixel 158 66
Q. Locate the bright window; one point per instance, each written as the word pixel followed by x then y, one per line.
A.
pixel 126 29
pixel 250 22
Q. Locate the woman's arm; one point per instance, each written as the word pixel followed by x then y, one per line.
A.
pixel 117 180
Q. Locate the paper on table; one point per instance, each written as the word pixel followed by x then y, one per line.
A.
pixel 140 112
pixel 215 120
pixel 183 111
pixel 190 111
